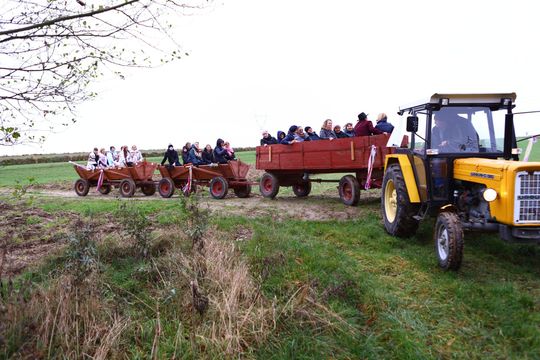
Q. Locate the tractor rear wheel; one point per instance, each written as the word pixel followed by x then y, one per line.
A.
pixel 82 187
pixel 127 188
pixel 269 185
pixel 397 209
pixel 105 189
pixel 349 190
pixel 148 189
pixel 242 191
pixel 448 237
pixel 166 187
pixel 302 189
pixel 219 187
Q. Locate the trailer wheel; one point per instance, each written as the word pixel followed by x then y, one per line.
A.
pixel 349 190
pixel 448 237
pixel 243 191
pixel 396 207
pixel 166 187
pixel 105 189
pixel 269 185
pixel 82 187
pixel 302 189
pixel 148 189
pixel 127 188
pixel 219 187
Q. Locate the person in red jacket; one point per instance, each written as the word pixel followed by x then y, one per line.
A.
pixel 364 127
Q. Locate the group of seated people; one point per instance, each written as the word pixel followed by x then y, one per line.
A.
pixel 363 127
pixel 100 159
pixel 192 154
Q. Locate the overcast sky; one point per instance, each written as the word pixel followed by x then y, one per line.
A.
pixel 258 65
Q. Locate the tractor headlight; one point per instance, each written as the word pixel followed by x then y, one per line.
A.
pixel 489 195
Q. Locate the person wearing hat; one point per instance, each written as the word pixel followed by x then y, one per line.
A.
pixel 290 138
pixel 364 127
pixel 171 156
pixel 383 124
pixel 311 135
pixel 268 139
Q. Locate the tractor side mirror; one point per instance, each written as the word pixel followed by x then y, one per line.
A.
pixel 412 123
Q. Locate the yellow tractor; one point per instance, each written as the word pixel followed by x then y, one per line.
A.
pixel 461 165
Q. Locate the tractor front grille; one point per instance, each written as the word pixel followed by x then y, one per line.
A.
pixel 527 193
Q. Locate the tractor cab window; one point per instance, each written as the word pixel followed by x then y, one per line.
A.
pixel 464 129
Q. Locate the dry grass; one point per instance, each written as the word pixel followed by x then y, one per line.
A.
pixel 61 320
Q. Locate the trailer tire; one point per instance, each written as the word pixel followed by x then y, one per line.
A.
pixel 448 238
pixel 148 189
pixel 127 187
pixel 166 187
pixel 105 189
pixel 269 185
pixel 82 187
pixel 349 190
pixel 397 210
pixel 219 187
pixel 242 191
pixel 302 189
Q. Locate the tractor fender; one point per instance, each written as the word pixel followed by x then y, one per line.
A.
pixel 408 174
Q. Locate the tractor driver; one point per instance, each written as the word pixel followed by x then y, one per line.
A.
pixel 445 134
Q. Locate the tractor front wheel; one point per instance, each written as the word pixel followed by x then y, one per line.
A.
pixel 397 210
pixel 302 189
pixel 105 189
pixel 448 237
pixel 148 189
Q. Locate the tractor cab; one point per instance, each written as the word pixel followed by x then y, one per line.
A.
pixel 457 159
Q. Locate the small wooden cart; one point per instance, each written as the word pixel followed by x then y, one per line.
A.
pixel 127 179
pixel 293 165
pixel 218 177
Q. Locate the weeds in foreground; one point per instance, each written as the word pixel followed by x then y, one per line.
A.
pixel 137 226
pixel 20 189
pixel 81 255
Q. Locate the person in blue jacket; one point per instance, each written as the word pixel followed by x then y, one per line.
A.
pixel 280 136
pixel 290 138
pixel 383 124
pixel 220 153
pixel 195 155
pixel 311 135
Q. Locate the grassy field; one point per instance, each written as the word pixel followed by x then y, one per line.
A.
pixel 279 286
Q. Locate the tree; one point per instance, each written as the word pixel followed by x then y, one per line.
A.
pixel 52 50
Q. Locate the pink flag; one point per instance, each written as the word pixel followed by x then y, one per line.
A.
pixel 100 180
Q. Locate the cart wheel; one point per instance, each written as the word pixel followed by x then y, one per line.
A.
pixel 166 187
pixel 349 190
pixel 219 187
pixel 105 189
pixel 269 185
pixel 243 191
pixel 127 188
pixel 148 189
pixel 448 237
pixel 302 189
pixel 81 187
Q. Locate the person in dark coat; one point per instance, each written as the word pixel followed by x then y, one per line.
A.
pixel 339 134
pixel 290 138
pixel 326 130
pixel 280 136
pixel 171 156
pixel 208 154
pixel 195 155
pixel 267 139
pixel 383 124
pixel 185 152
pixel 220 153
pixel 364 127
pixel 311 135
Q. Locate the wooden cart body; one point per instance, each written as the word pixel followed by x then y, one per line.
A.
pixel 292 165
pixel 219 177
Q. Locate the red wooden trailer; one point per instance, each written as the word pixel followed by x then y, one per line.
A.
pixel 219 178
pixel 292 165
pixel 126 178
